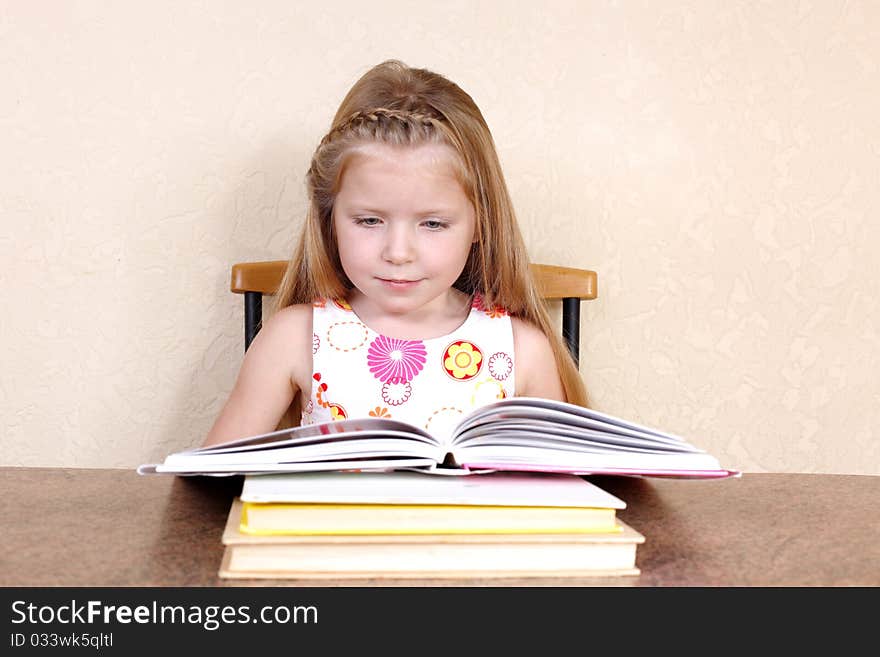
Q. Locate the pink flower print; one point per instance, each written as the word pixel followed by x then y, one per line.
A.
pixel 396 391
pixel 500 365
pixel 306 416
pixel 392 359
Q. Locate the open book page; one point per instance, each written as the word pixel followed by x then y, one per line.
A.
pixel 337 446
pixel 528 431
pixel 231 469
pixel 537 410
pixel 535 457
pixel 319 433
pixel 549 436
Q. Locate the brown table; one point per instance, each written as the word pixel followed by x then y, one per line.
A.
pixel 81 527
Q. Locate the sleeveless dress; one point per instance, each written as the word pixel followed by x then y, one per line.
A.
pixel 430 383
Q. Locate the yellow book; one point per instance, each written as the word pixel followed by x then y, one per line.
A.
pixel 372 556
pixel 355 519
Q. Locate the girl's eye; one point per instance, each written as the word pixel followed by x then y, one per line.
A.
pixel 367 221
pixel 435 224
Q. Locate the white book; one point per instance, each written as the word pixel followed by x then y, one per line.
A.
pixel 515 434
pixel 491 489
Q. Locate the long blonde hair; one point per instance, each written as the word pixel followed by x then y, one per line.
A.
pixel 402 106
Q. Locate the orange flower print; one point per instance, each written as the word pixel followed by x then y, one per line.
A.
pixel 320 390
pixel 380 411
pixel 319 303
pixel 493 313
pixel 342 303
pixel 462 360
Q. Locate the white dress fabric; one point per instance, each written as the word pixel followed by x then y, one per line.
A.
pixel 430 383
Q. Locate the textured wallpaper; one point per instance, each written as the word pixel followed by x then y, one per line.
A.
pixel 717 163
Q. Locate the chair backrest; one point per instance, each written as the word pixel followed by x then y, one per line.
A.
pixel 255 279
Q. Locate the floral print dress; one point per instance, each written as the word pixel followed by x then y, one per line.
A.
pixel 431 383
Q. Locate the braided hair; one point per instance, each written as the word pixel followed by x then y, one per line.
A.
pixel 400 106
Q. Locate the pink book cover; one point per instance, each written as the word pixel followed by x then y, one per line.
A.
pixel 683 474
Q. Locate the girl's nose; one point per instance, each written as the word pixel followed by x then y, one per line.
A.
pixel 399 247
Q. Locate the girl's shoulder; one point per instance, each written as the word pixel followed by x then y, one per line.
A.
pixel 537 372
pixel 289 322
pixel 285 340
pixel 293 313
pixel 529 338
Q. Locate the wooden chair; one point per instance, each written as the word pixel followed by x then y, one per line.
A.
pixel 254 279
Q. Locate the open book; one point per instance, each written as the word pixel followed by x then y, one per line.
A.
pixel 518 433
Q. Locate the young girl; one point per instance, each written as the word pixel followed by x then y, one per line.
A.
pixel 409 294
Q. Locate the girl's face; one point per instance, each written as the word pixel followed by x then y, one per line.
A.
pixel 404 226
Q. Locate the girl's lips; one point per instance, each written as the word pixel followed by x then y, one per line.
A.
pixel 398 283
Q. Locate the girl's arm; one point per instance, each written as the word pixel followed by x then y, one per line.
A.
pixel 536 372
pixel 267 381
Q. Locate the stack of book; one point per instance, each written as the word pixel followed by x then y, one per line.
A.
pixel 303 513
pixel 409 524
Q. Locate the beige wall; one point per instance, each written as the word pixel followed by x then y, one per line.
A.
pixel 716 162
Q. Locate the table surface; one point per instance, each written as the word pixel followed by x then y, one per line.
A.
pixel 107 527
